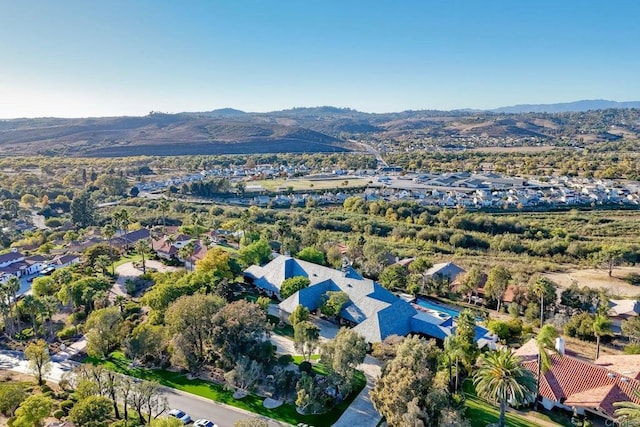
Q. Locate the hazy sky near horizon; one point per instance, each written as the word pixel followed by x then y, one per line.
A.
pixel 120 57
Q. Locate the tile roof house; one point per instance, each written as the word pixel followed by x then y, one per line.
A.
pixel 577 385
pixel 376 312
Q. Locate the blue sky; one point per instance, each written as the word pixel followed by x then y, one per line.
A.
pixel 89 58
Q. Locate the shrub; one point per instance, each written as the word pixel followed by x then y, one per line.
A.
pixel 53 222
pixel 25 334
pixel 633 279
pixel 305 367
pixel 632 348
pixel 66 405
pixel 285 359
pixel 66 333
pixel 59 414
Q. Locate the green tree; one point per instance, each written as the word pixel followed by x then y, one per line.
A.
pixel 186 252
pixel 33 411
pixel 292 285
pixel 93 411
pixel 83 212
pixel 394 277
pixel 333 303
pixel 611 255
pixel 240 328
pixel 405 393
pixel 37 353
pixel 501 378
pixel 103 331
pixel 343 354
pixel 190 320
pixel 306 336
pixel 300 314
pixel 29 200
pixel 146 341
pixel 470 281
pixel 311 254
pixel 601 328
pixel 256 253
pixel 631 328
pixel 31 305
pixel 497 283
pixel 12 394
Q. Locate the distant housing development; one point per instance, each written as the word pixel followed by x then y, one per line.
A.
pixel 375 312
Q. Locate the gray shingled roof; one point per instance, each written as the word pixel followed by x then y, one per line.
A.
pixel 377 312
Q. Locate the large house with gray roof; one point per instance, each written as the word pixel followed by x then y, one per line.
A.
pixel 375 312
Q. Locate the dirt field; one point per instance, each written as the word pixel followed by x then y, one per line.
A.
pixel 599 278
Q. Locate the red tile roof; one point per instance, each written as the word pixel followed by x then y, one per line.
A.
pixel 576 382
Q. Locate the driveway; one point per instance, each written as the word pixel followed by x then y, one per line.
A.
pixel 128 271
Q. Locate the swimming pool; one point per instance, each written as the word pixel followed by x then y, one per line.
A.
pixel 437 307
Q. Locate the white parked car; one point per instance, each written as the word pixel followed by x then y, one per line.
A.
pixel 204 423
pixel 177 413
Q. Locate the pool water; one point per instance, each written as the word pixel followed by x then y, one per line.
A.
pixel 437 307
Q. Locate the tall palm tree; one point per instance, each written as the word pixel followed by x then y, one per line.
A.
pixel 501 378
pixel 164 208
pixel 13 286
pixel 32 306
pixel 50 306
pixel 456 352
pixel 196 223
pixel 629 412
pixel 601 327
pixel 545 341
pixel 109 231
pixel 5 307
pixel 121 218
pixel 187 251
pixel 142 248
pixel 539 289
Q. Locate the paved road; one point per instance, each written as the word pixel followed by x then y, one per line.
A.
pixel 195 406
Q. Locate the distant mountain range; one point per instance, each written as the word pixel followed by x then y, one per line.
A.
pixel 314 129
pixel 567 107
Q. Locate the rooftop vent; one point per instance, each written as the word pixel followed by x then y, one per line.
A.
pixel 624 379
pixel 611 375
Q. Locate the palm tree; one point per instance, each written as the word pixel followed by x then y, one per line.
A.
pixel 109 231
pixel 32 306
pixel 601 327
pixel 501 378
pixel 50 306
pixel 164 208
pixel 187 251
pixel 544 341
pixel 120 300
pixel 539 289
pixel 458 351
pixel 13 286
pixel 196 223
pixel 5 307
pixel 629 412
pixel 142 248
pixel 102 263
pixel 121 218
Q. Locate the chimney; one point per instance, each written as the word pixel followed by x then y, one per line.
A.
pixel 560 345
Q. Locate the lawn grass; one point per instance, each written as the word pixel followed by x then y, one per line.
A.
pixel 481 413
pixel 286 330
pixel 318 368
pixel 127 258
pixel 287 412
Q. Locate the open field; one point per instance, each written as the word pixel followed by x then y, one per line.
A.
pixel 308 184
pixel 599 278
